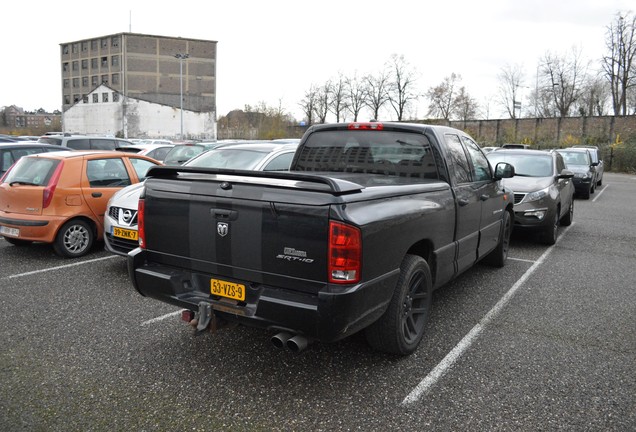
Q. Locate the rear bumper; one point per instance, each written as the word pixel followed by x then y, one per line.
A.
pixel 328 315
pixel 33 228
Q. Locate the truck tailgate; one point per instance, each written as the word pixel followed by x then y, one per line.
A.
pixel 246 231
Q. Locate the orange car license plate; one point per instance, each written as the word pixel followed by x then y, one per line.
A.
pixel 125 233
pixel 227 289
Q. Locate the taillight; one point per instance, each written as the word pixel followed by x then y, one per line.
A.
pixel 345 253
pixel 141 227
pixel 365 126
pixel 49 190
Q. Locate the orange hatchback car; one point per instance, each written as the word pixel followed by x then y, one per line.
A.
pixel 61 197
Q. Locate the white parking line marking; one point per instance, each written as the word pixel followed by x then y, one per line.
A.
pixel 161 318
pixel 447 362
pixel 522 260
pixel 599 193
pixel 59 267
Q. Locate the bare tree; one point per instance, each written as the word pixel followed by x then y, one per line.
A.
pixel 442 97
pixel 465 106
pixel 356 95
pixel 401 90
pixel 377 91
pixel 562 78
pixel 510 79
pixel 594 97
pixel 308 104
pixel 323 97
pixel 339 100
pixel 618 64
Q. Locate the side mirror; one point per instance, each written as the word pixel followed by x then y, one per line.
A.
pixel 566 174
pixel 594 164
pixel 504 170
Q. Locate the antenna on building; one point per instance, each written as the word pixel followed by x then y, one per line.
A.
pixel 130 21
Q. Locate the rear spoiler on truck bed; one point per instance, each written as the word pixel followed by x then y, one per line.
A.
pixel 295 179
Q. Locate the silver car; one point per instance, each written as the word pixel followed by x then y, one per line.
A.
pixel 120 220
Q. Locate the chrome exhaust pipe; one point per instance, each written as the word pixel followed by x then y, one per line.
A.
pixel 297 343
pixel 280 340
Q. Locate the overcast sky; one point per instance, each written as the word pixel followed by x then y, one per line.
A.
pixel 273 51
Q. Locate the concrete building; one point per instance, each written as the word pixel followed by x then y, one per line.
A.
pixel 151 72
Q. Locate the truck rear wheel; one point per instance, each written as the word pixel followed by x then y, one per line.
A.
pixel 402 326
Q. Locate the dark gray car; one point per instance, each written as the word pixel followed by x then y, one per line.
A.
pixel 543 190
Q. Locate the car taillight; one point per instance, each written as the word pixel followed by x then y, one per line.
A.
pixel 49 190
pixel 365 126
pixel 345 253
pixel 141 227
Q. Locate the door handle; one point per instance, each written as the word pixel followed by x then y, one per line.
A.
pixel 96 194
pixel 484 197
pixel 462 202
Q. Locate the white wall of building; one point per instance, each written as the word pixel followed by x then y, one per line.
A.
pixel 135 119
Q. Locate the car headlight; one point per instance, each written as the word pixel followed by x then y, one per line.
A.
pixel 583 175
pixel 536 195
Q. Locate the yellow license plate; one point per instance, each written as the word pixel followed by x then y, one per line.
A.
pixel 227 289
pixel 125 233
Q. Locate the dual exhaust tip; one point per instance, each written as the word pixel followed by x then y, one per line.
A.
pixel 293 343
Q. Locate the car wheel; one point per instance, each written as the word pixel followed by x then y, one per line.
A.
pixel 593 187
pixel 498 256
pixel 566 220
pixel 74 239
pixel 600 182
pixel 587 193
pixel 551 232
pixel 17 242
pixel 401 328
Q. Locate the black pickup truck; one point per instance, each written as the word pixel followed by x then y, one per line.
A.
pixel 370 219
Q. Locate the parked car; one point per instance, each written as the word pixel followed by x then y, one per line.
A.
pixel 155 151
pixel 579 161
pixel 181 153
pixel 155 141
pixel 120 221
pixel 84 142
pixel 488 149
pixel 60 197
pixel 11 152
pixel 543 190
pixel 515 146
pixel 595 152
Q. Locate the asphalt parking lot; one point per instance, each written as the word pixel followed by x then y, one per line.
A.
pixel 546 343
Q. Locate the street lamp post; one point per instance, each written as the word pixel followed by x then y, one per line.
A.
pixel 181 57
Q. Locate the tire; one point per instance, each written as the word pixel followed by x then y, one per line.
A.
pixel 566 220
pixel 551 232
pixel 497 257
pixel 17 242
pixel 74 239
pixel 587 193
pixel 402 326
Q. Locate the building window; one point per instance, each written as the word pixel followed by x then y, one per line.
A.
pixel 94 45
pixel 84 64
pixel 104 62
pixel 66 83
pixel 115 41
pixel 114 60
pixel 115 97
pixel 104 42
pixel 65 67
pixel 65 49
pixel 94 80
pixel 76 98
pixel 104 97
pixel 115 78
pixel 75 48
pixel 84 46
pixel 85 99
pixel 67 100
pixel 75 82
pixel 105 79
pixel 75 65
pixel 95 98
pixel 85 81
pixel 94 63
